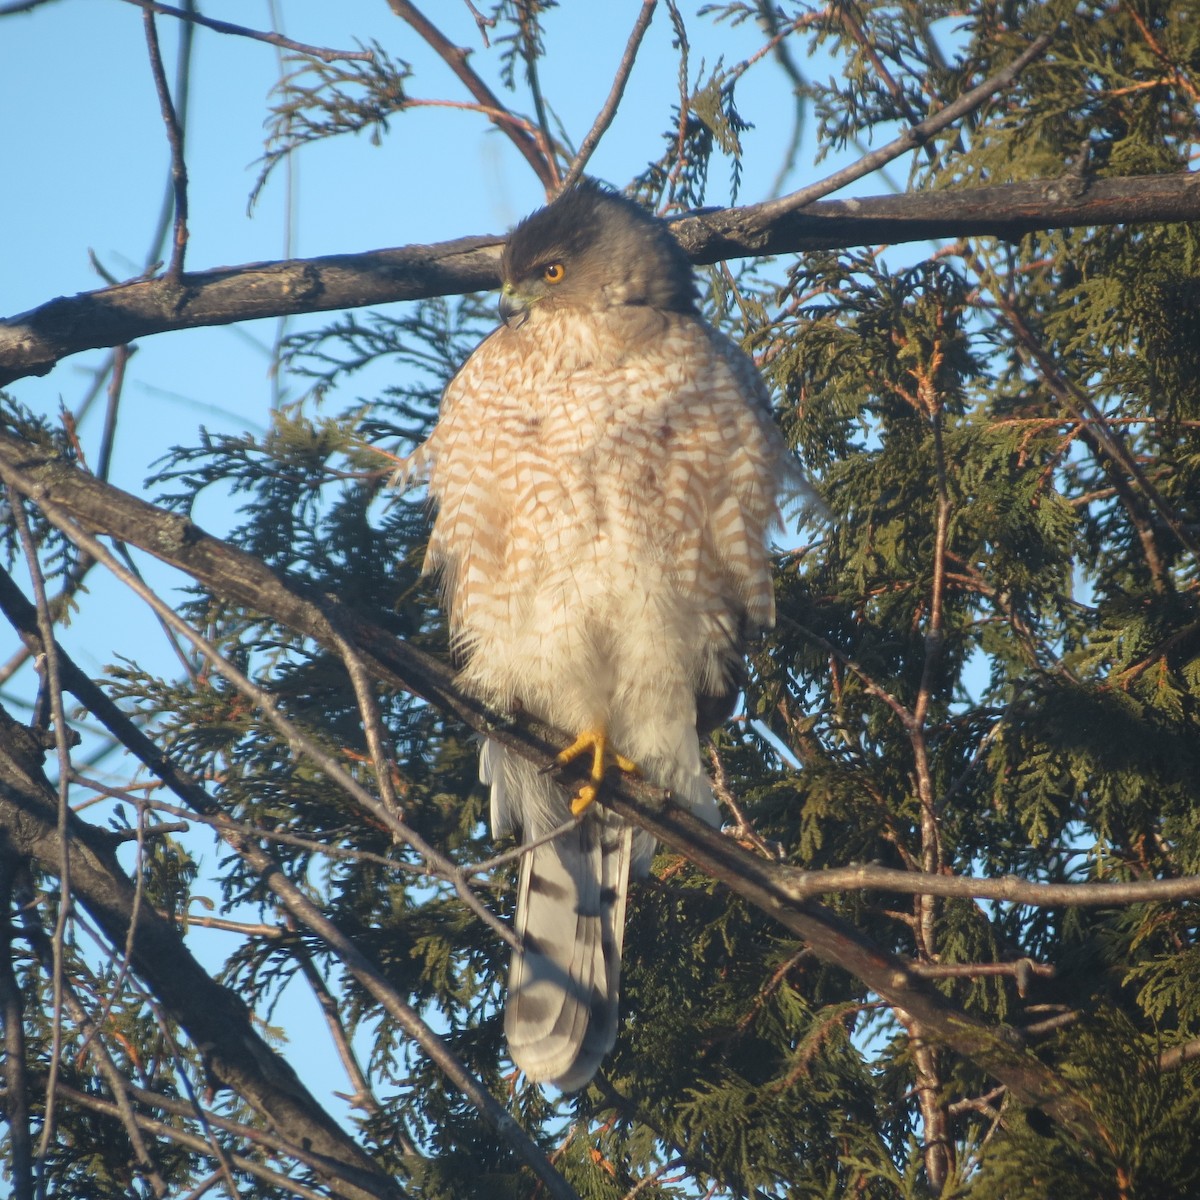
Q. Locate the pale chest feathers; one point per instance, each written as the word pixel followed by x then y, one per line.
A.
pixel 631 454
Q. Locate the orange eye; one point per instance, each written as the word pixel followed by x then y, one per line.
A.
pixel 554 272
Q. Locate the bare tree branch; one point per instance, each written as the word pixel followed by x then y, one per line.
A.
pixel 274 39
pixel 780 892
pixel 32 342
pixel 539 156
pixel 915 136
pixel 605 117
pixel 179 179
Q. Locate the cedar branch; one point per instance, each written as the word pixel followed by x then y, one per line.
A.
pixel 778 891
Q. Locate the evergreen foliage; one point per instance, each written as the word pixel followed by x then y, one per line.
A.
pixel 986 663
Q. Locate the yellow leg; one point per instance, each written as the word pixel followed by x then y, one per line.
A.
pixel 595 742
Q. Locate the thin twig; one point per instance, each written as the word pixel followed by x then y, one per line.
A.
pixel 182 98
pixel 179 180
pixel 681 39
pixel 274 39
pixel 877 690
pixel 368 710
pixel 120 359
pixel 363 1097
pixel 916 135
pixel 1082 406
pixel 53 683
pixel 483 23
pixel 538 156
pixel 291 171
pixel 769 20
pixel 499 860
pixel 744 830
pixel 526 11
pixel 605 117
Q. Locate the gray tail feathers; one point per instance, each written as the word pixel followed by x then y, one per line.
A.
pixel 563 987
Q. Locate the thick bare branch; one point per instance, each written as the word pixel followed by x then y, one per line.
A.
pixel 32 342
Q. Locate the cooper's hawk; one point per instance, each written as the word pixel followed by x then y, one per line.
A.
pixel 605 470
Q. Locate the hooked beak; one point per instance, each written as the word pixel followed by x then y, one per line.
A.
pixel 513 309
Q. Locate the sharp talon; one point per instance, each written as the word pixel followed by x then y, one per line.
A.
pixel 583 743
pixel 595 743
pixel 583 800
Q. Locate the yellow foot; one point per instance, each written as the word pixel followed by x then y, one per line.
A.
pixel 594 742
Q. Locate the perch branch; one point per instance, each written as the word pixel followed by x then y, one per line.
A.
pixel 779 891
pixel 32 342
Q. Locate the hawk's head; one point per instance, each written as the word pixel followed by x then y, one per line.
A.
pixel 592 248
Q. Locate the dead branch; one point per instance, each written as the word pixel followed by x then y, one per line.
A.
pixel 275 39
pixel 31 343
pixel 539 156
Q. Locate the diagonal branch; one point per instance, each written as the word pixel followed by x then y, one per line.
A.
pixel 540 157
pixel 240 578
pixel 605 117
pixel 274 39
pixel 914 136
